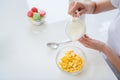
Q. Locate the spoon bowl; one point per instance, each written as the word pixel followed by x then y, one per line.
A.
pixel 53 45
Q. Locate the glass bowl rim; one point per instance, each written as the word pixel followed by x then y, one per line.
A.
pixel 85 59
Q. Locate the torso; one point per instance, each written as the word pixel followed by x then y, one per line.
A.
pixel 114 30
pixel 114 35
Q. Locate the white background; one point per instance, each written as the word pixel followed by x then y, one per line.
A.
pixel 23 51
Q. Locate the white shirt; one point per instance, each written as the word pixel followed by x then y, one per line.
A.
pixel 114 30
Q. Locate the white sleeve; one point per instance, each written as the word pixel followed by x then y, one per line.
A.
pixel 116 3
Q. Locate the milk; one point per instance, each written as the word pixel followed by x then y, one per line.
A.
pixel 75 29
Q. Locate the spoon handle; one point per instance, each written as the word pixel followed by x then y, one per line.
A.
pixel 64 42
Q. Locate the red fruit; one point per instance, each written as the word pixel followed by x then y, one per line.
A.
pixel 30 14
pixel 42 13
pixel 34 9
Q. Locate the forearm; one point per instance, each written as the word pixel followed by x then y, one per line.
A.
pixel 112 56
pixel 102 6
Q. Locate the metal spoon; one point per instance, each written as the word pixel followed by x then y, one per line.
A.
pixel 55 45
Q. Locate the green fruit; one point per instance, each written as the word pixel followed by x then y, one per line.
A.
pixel 36 16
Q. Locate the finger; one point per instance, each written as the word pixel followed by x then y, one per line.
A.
pixel 82 11
pixel 77 13
pixel 87 36
pixel 75 7
pixel 80 38
pixel 83 40
pixel 70 7
pixel 85 43
pixel 84 37
pixel 71 4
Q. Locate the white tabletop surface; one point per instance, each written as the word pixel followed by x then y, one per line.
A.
pixel 23 51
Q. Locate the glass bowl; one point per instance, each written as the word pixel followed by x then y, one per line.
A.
pixel 37 23
pixel 62 52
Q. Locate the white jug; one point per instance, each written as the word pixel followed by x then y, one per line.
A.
pixel 76 28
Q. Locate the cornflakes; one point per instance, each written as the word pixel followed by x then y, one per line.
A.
pixel 71 62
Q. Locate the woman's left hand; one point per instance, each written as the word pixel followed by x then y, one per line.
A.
pixel 92 43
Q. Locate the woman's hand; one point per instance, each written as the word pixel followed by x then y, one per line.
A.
pixel 98 45
pixel 91 43
pixel 78 8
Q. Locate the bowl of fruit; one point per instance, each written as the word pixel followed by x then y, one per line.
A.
pixel 36 16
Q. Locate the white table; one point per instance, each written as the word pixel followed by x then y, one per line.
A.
pixel 25 56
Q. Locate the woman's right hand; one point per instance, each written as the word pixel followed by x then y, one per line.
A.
pixel 78 8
